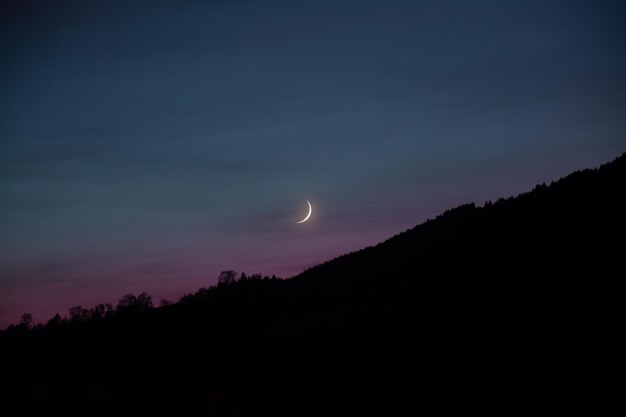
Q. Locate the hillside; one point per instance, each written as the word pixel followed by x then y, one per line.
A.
pixel 514 308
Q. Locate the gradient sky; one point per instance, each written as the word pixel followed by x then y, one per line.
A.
pixel 148 145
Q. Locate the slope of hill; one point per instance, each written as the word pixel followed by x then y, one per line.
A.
pixel 514 308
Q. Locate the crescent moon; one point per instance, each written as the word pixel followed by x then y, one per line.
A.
pixel 308 215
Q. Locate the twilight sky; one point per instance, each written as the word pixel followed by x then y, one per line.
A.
pixel 148 145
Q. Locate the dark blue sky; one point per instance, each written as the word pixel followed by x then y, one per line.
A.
pixel 148 145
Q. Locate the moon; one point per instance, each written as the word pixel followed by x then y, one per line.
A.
pixel 308 215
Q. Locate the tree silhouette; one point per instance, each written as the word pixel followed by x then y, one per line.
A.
pixel 227 278
pixel 97 312
pixel 108 310
pixel 26 321
pixel 130 302
pixel 55 321
pixel 144 302
pixel 78 313
pixel 127 302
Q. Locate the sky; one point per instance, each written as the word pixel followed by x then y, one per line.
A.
pixel 147 145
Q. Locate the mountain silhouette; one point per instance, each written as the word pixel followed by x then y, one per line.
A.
pixel 514 308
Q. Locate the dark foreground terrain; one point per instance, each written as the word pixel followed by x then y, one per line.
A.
pixel 514 308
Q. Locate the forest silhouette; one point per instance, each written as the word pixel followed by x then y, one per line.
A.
pixel 517 307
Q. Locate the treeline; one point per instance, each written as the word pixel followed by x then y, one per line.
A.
pixel 515 308
pixel 132 304
pixel 76 314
